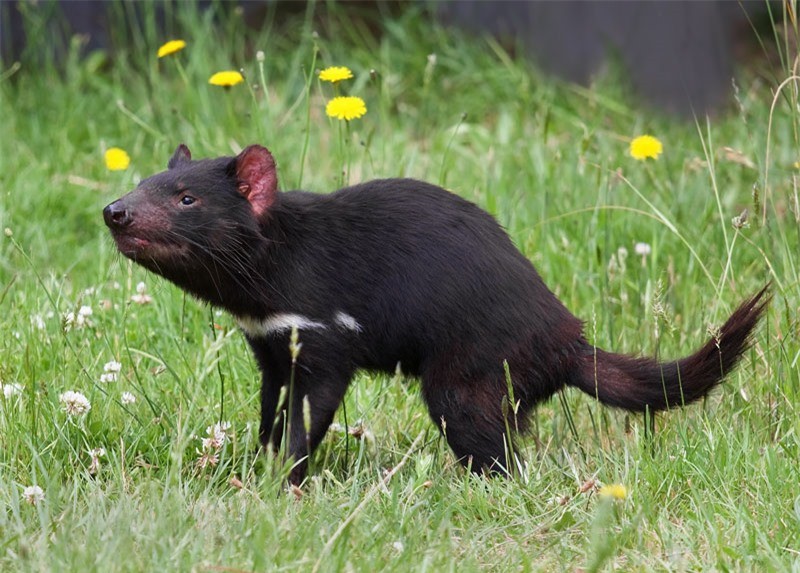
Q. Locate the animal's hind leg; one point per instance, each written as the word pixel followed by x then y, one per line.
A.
pixel 472 420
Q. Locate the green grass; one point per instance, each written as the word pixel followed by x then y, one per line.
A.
pixel 714 487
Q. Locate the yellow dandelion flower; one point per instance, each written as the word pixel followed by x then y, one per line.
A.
pixel 346 108
pixel 171 47
pixel 646 146
pixel 117 159
pixel 613 491
pixel 226 79
pixel 335 74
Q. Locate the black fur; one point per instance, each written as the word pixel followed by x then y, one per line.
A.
pixel 433 281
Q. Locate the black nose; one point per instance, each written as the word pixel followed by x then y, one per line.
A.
pixel 117 216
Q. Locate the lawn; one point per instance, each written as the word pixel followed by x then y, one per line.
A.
pixel 648 253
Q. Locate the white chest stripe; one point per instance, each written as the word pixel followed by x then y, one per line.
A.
pixel 276 323
pixel 285 322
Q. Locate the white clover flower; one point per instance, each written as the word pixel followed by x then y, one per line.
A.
pixel 74 403
pixel 112 366
pixel 641 249
pixel 38 322
pixel 33 494
pixel 141 296
pixel 11 390
pixel 208 455
pixel 127 398
pixel 217 436
pixel 110 371
pixel 79 319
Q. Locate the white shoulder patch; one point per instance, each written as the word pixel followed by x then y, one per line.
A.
pixel 276 323
pixel 346 321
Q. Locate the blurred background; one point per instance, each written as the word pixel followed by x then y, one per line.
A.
pixel 678 56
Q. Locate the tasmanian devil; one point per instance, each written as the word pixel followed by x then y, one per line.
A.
pixel 389 272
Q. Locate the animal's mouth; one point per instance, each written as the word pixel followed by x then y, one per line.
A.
pixel 131 246
pixel 140 248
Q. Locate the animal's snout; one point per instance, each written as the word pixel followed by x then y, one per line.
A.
pixel 117 215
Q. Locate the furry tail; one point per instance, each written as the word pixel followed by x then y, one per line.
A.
pixel 638 383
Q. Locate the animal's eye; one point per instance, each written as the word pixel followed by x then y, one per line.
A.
pixel 187 200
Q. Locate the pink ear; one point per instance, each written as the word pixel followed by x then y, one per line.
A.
pixel 257 178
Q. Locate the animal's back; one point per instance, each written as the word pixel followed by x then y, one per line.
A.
pixel 441 270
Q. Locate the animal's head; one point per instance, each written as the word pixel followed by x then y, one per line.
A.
pixel 199 222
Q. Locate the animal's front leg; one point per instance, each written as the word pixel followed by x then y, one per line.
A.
pixel 316 394
pixel 271 384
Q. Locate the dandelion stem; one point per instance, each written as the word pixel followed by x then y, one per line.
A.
pixel 138 121
pixel 263 77
pixel 342 164
pixel 442 178
pixel 348 152
pixel 309 79
pixel 182 72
